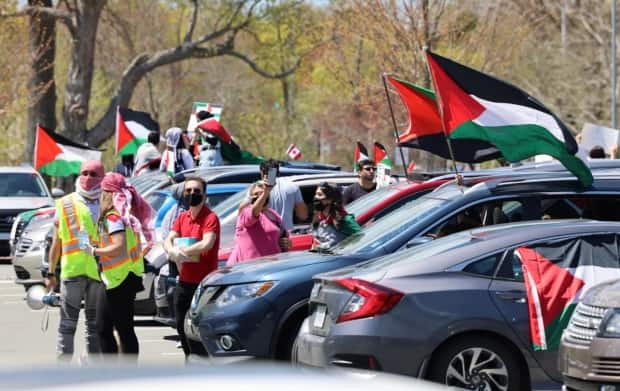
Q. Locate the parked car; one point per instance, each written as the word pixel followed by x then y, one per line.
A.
pixel 21 189
pixel 588 356
pixel 453 310
pixel 259 306
pixel 30 245
pixel 227 212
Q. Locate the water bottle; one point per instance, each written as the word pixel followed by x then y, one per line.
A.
pixel 83 240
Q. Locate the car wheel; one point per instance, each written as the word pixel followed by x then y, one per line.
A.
pixel 477 364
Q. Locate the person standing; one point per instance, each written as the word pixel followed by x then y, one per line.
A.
pixel 259 230
pixel 79 279
pixel 124 214
pixel 200 226
pixel 126 166
pixel 285 197
pixel 366 172
pixel 331 223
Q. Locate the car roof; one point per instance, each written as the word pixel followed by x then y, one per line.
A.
pixel 17 169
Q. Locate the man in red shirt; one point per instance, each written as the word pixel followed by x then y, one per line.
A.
pixel 193 243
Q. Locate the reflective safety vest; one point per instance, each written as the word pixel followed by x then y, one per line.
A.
pixel 73 217
pixel 115 269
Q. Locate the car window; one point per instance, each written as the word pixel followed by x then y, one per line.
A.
pixel 483 267
pixel 511 268
pixel 21 185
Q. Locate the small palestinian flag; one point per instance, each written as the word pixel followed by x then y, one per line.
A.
pixel 557 275
pixel 293 152
pixel 478 106
pixel 425 132
pixel 55 155
pixel 132 130
pixel 361 153
pixel 381 156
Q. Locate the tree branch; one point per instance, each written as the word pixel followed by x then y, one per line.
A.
pixel 192 24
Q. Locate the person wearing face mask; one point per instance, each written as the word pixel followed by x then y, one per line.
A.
pixel 193 243
pixel 259 230
pixel 76 213
pixel 330 223
pixel 123 216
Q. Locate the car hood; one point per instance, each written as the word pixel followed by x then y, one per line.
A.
pixel 265 267
pixel 21 203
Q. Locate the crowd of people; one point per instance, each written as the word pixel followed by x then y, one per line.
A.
pixel 103 229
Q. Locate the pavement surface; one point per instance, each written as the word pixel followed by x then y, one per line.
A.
pixel 23 343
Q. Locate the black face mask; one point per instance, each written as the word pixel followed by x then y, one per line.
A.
pixel 193 199
pixel 317 204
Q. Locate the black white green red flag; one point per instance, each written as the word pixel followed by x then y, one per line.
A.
pixel 132 130
pixel 425 132
pixel 474 105
pixel 557 276
pixel 55 155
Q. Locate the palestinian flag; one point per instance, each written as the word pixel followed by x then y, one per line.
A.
pixel 381 156
pixel 361 153
pixel 478 106
pixel 425 131
pixel 55 155
pixel 557 276
pixel 132 130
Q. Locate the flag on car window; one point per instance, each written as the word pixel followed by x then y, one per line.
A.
pixel 557 275
pixel 424 130
pixel 56 155
pixel 132 130
pixel 474 105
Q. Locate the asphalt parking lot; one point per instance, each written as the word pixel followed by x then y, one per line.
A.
pixel 24 344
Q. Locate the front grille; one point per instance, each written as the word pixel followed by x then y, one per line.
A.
pixel 584 323
pixel 23 246
pixel 21 273
pixel 606 366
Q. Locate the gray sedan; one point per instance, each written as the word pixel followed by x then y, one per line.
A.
pixel 454 310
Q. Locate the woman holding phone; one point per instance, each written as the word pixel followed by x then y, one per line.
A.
pixel 259 231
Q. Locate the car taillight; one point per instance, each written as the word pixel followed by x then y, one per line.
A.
pixel 368 299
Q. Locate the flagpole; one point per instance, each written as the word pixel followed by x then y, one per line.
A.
pixel 457 176
pixel 400 148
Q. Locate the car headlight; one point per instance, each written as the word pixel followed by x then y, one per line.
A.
pixel 610 326
pixel 236 293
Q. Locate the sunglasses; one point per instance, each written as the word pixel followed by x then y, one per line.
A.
pixel 369 168
pixel 193 191
pixel 89 173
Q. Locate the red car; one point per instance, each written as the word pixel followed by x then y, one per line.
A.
pixel 368 208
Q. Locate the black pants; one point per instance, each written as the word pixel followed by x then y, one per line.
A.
pixel 182 300
pixel 115 311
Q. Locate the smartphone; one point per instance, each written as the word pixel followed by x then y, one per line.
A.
pixel 271 176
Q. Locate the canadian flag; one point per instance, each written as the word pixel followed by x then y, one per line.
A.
pixel 293 152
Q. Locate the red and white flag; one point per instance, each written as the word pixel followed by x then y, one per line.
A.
pixel 293 152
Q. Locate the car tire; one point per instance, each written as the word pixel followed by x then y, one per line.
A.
pixel 498 366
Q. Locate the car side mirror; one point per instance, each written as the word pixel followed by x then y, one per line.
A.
pixel 417 241
pixel 57 193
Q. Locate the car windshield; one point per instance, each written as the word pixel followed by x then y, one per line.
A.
pixel 363 204
pixel 373 236
pixel 230 205
pixel 420 252
pixel 22 185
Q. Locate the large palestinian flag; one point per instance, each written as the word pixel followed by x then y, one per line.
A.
pixel 132 130
pixel 56 155
pixel 557 276
pixel 425 132
pixel 478 106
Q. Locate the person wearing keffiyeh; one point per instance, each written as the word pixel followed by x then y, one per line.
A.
pixel 330 223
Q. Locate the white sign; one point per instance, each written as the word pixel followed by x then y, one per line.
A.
pixel 595 135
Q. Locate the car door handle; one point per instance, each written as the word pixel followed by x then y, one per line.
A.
pixel 516 296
